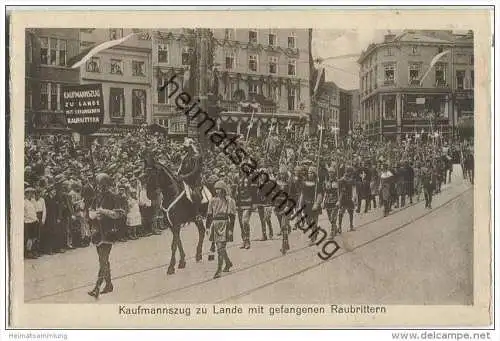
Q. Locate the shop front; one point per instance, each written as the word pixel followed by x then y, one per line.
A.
pixel 464 103
pixel 404 112
pixel 421 106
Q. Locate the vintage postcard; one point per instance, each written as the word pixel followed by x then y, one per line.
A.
pixel 250 169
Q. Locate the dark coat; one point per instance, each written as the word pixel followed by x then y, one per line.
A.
pixel 190 170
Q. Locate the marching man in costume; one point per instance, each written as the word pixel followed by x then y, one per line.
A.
pixel 221 216
pixel 264 206
pixel 245 198
pixel 284 184
pixel 346 184
pixel 386 182
pixel 331 196
pixel 311 199
pixel 104 217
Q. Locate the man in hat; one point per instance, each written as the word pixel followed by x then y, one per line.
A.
pixel 244 203
pixel 153 191
pixel 409 178
pixel 311 199
pixel 264 204
pixel 331 195
pixel 346 203
pixel 374 184
pixel 386 182
pixel 283 212
pixel 428 183
pixel 220 219
pixel 64 214
pixel 363 178
pixel 105 211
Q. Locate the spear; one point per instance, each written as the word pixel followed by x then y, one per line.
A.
pixel 319 152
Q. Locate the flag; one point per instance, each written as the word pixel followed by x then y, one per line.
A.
pixel 142 35
pixel 82 58
pixel 433 62
pixel 320 79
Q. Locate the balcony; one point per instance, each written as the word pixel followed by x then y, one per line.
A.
pixel 139 120
pixel 230 105
pixel 415 83
pixel 237 107
pixel 165 108
pixel 389 83
pixel 441 83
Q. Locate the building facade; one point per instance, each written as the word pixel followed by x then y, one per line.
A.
pixel 345 112
pixel 125 74
pixel 47 53
pixel 395 100
pixel 326 109
pixel 172 53
pixel 355 109
pixel 261 78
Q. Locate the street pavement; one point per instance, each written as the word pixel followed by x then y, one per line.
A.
pixel 413 256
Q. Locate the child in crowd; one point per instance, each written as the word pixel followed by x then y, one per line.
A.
pixel 134 220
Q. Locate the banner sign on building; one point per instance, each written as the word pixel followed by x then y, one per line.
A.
pixel 83 107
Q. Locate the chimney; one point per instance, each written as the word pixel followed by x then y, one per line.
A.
pixel 389 37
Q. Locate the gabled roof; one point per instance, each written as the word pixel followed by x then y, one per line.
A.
pixel 417 37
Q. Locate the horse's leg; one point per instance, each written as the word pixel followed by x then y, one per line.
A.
pixel 182 261
pixel 201 238
pixel 175 238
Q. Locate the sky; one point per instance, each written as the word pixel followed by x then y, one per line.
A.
pixel 331 43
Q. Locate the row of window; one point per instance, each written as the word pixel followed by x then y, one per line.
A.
pixel 52 52
pixel 116 67
pixel 117 103
pixel 414 51
pixel 415 73
pixel 229 34
pixel 51 100
pixel 253 64
pixel 272 37
pixel 254 89
pixel 230 61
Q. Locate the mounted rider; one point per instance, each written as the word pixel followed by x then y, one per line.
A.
pixel 190 172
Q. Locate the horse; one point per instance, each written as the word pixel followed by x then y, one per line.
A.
pixel 178 209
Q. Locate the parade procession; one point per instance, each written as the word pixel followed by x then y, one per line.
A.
pixel 305 178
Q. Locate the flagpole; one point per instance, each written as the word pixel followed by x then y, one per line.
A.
pixel 250 126
pixel 319 153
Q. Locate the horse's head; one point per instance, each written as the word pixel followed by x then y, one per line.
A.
pixel 160 177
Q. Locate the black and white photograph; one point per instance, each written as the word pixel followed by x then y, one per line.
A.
pixel 233 167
